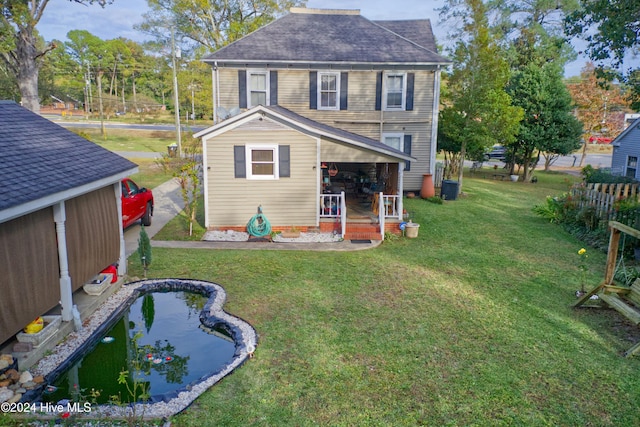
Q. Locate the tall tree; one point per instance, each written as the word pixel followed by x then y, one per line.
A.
pixel 211 24
pixel 612 30
pixel 594 105
pixel 22 49
pixel 548 125
pixel 477 84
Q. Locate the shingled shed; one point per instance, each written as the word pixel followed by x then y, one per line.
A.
pixel 59 215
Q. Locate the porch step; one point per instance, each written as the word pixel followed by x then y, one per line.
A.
pixel 357 231
pixel 362 236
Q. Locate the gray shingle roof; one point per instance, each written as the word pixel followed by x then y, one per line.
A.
pixel 334 38
pixel 38 158
pixel 417 30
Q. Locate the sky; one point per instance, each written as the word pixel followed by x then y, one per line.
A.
pixel 117 19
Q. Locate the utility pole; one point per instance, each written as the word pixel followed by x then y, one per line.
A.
pixel 176 98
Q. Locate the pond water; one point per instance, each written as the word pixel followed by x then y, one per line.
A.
pixel 159 346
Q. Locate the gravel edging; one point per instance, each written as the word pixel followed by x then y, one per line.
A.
pixel 241 236
pixel 245 346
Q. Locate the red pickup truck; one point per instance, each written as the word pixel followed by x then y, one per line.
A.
pixel 137 203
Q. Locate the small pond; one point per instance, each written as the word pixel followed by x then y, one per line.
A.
pixel 159 341
pixel 169 338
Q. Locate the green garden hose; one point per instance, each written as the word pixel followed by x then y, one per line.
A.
pixel 259 225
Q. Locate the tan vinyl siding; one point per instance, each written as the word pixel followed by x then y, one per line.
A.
pixel 228 82
pixel 285 201
pixel 361 117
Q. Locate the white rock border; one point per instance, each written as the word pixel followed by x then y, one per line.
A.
pixel 159 409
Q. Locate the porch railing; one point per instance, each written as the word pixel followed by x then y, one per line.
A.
pixel 335 206
pixel 390 205
pixel 330 205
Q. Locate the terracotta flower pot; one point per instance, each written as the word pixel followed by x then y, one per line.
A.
pixel 427 190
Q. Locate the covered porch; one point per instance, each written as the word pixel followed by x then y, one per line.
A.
pixel 361 200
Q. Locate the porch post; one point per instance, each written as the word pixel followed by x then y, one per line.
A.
pixel 318 168
pixel 381 214
pixel 400 189
pixel 66 295
pixel 343 214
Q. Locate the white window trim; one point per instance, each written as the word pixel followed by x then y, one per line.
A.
pixel 276 162
pixel 319 86
pixel 385 92
pixel 400 135
pixel 267 86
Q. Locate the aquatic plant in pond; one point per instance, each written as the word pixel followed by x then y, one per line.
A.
pixel 181 342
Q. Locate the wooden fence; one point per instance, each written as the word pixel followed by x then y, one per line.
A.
pixel 602 198
pixel 619 191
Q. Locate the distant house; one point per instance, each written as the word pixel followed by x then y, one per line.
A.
pixel 317 103
pixel 626 152
pixel 60 215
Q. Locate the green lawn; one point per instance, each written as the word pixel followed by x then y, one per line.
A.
pixel 150 173
pixel 129 140
pixel 469 324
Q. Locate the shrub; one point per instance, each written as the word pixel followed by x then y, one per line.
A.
pixel 603 176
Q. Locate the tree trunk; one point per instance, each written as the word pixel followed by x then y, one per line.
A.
pixel 463 153
pixel 124 104
pixel 28 69
pixel 103 129
pixel 584 153
pixel 133 89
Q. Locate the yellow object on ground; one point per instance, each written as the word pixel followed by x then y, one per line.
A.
pixel 35 326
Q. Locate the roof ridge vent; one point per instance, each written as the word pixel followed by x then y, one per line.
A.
pixel 312 11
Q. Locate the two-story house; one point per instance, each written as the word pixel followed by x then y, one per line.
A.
pixel 319 114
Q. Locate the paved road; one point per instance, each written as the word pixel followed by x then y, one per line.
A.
pixel 112 125
pixel 597 160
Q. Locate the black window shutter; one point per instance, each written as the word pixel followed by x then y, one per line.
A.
pixel 407 150
pixel 410 82
pixel 240 168
pixel 273 87
pixel 242 88
pixel 344 90
pixel 284 159
pixel 313 90
pixel 379 91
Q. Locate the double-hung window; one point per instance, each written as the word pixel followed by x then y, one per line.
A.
pixel 262 161
pixel 328 91
pixel 258 88
pixel 394 140
pixel 395 91
pixel 632 165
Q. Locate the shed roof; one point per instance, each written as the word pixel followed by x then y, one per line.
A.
pixel 41 160
pixel 336 37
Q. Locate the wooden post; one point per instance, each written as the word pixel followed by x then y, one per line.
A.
pixel 612 255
